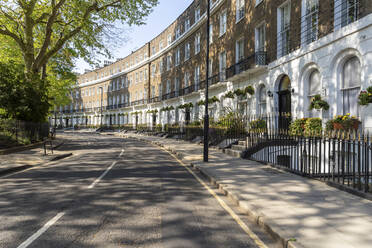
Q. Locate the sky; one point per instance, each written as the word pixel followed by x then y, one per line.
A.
pixel 162 16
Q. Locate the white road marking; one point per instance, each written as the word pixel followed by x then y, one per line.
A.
pixel 237 219
pixel 103 174
pixel 41 230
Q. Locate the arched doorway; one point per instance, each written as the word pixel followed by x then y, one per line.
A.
pixel 284 95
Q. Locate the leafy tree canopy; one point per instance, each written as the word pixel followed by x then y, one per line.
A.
pixel 41 28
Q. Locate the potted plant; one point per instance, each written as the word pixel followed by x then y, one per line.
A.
pixel 229 94
pixel 318 103
pixel 345 122
pixel 365 97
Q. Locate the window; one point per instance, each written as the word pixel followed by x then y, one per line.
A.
pixel 152 91
pixel 210 68
pixel 145 74
pixel 239 50
pixel 187 24
pixel 169 39
pixel 136 77
pixel 153 50
pixel 197 77
pixel 314 85
pixel 309 22
pixel 262 100
pixel 160 90
pixel 141 76
pixel 197 14
pixel 168 86
pixel 187 51
pixel 161 45
pixel 346 12
pixel 197 43
pixel 161 66
pixel 283 35
pixel 176 86
pixel 223 19
pixel 187 79
pixel 210 33
pixel 351 82
pixel 153 70
pixel 240 5
pixel 177 57
pixel 178 33
pixel 222 66
pixel 169 62
pixel 260 38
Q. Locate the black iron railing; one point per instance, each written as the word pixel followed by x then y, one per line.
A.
pixel 258 58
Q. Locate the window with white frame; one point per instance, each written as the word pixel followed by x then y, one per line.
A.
pixel 284 27
pixel 197 14
pixel 187 24
pixel 178 32
pixel 161 66
pixel 239 50
pixel 160 90
pixel 210 33
pixel 351 83
pixel 145 74
pixel 345 12
pixel 153 70
pixel 153 49
pixel 141 76
pixel 223 21
pixel 240 6
pixel 197 43
pixel 187 51
pixel 169 62
pixel 222 66
pixel 152 91
pixel 260 38
pixel 187 79
pixel 314 87
pixel 169 39
pixel 309 21
pixel 176 86
pixel 168 86
pixel 161 45
pixel 210 68
pixel 177 57
pixel 137 77
pixel 197 77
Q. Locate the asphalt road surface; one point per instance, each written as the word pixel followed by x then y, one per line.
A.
pixel 116 192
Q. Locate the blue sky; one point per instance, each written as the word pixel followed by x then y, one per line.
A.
pixel 161 17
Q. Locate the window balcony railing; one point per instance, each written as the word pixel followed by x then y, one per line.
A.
pixel 123 105
pixel 154 99
pixel 309 26
pixel 346 12
pixel 258 58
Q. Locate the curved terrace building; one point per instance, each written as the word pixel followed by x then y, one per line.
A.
pixel 287 50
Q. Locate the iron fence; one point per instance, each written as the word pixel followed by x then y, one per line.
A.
pixel 14 132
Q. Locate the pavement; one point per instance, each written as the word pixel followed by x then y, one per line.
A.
pixel 116 192
pixel 299 211
pixel 28 158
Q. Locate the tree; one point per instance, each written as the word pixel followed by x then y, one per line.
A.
pixel 41 28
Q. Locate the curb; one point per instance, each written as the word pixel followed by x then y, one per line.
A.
pixel 24 167
pixel 20 148
pixel 259 219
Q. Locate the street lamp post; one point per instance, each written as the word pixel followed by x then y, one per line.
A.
pixel 101 103
pixel 206 115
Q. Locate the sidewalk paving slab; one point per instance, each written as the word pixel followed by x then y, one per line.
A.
pixel 28 158
pixel 300 211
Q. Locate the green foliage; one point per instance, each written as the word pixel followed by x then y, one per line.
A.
pixel 229 94
pixel 201 102
pixel 297 127
pixel 186 106
pixel 20 99
pixel 239 92
pixel 168 108
pixel 318 103
pixel 306 127
pixel 213 100
pixel 345 122
pixel 365 97
pixel 249 90
pixel 258 124
pixel 313 127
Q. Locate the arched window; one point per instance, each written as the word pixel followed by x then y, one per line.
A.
pixel 314 86
pixel 262 100
pixel 351 82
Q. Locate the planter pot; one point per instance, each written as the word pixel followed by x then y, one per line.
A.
pixel 337 126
